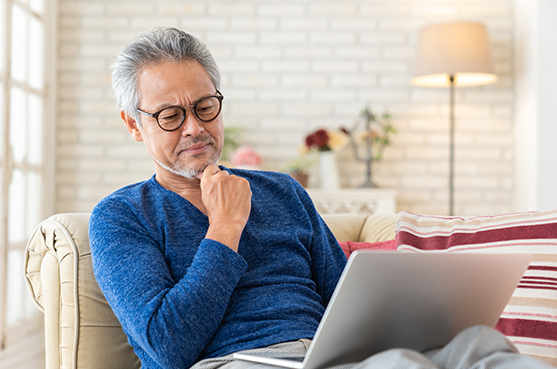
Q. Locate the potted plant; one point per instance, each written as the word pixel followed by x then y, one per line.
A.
pixel 299 167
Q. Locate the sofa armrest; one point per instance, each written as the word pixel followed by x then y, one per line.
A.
pixel 80 328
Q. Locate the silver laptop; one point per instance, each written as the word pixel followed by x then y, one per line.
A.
pixel 419 301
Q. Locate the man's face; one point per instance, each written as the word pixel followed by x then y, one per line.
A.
pixel 188 150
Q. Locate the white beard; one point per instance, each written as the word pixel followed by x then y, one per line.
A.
pixel 189 173
pixel 185 169
pixel 186 173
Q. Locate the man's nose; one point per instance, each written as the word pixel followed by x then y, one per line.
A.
pixel 192 125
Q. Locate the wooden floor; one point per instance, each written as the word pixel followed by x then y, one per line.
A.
pixel 26 354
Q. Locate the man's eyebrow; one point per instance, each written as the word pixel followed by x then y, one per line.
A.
pixel 162 106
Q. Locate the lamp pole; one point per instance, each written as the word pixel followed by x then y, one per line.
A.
pixel 451 145
pixel 448 49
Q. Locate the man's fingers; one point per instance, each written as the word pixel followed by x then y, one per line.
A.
pixel 210 169
pixel 214 170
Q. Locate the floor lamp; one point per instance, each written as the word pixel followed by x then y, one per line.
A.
pixel 453 55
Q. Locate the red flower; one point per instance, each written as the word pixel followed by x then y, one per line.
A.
pixel 318 139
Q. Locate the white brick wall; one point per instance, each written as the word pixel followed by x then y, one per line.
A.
pixel 288 68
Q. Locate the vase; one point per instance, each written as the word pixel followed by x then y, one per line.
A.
pixel 328 170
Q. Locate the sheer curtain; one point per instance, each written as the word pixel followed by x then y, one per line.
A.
pixel 23 171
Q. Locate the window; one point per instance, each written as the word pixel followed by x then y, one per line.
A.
pixel 24 107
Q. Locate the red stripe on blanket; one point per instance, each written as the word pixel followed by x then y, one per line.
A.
pixel 537 283
pixel 542 267
pixel 540 231
pixel 538 288
pixel 527 328
pixel 528 278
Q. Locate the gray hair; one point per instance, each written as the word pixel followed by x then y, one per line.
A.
pixel 151 48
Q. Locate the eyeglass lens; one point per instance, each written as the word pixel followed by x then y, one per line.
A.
pixel 172 117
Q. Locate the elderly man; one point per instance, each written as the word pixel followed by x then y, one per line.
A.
pixel 199 262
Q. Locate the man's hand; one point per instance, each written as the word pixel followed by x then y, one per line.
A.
pixel 227 199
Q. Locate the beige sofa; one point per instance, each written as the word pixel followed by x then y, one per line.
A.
pixel 80 329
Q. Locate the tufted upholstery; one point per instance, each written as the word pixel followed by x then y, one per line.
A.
pixel 80 329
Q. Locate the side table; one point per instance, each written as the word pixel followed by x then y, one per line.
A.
pixel 354 200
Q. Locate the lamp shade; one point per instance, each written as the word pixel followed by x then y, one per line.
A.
pixel 460 50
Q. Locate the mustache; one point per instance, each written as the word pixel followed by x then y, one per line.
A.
pixel 194 141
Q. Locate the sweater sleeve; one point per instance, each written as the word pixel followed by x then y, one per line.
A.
pixel 171 321
pixel 328 259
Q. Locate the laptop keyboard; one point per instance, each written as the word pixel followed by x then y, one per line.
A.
pixel 293 358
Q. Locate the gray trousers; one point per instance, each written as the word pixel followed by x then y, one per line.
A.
pixel 474 348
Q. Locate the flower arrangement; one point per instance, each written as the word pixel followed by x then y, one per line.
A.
pixel 321 140
pixel 245 156
pixel 315 142
pixel 377 133
pixel 326 140
pixel 374 137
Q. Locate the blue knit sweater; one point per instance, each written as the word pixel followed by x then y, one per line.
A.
pixel 182 298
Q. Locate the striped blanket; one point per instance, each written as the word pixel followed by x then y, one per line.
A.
pixel 530 318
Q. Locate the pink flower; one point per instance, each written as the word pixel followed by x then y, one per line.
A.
pixel 245 155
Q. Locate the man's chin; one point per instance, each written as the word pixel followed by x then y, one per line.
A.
pixel 189 166
pixel 190 172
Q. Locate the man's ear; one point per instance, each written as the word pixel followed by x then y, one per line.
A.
pixel 131 125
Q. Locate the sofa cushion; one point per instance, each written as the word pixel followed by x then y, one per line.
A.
pixel 530 318
pixel 361 227
pixel 349 246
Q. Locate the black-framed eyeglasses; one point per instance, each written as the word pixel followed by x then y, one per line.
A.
pixel 172 118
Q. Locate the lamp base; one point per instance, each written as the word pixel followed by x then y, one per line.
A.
pixel 368 184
